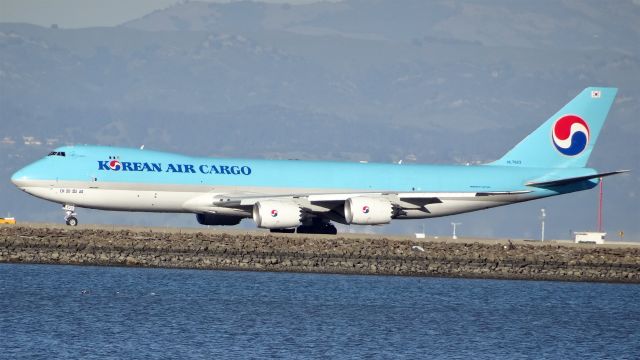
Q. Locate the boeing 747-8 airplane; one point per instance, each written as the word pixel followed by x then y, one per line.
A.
pixel 306 196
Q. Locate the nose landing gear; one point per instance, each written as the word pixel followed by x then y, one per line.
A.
pixel 70 215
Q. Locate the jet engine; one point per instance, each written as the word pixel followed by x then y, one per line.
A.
pixel 214 219
pixel 363 210
pixel 272 214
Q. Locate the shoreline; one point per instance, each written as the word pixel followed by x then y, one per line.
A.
pixel 360 254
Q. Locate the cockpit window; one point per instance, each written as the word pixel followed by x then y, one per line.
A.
pixel 57 153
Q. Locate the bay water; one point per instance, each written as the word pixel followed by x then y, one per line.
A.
pixel 84 312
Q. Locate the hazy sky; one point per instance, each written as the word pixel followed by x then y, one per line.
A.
pixel 87 13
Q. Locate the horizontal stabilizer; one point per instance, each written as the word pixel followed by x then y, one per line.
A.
pixel 570 180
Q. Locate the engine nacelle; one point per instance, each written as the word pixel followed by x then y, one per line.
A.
pixel 273 214
pixel 363 210
pixel 214 219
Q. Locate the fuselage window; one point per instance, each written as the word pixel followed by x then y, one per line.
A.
pixel 57 153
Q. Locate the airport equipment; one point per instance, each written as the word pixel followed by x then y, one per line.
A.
pixel 600 198
pixel 542 216
pixel 454 224
pixel 590 237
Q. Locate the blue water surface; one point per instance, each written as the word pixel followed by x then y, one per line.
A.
pixel 133 313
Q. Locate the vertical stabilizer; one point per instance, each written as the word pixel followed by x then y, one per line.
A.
pixel 567 138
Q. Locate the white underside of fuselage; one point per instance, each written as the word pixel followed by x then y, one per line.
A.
pixel 200 198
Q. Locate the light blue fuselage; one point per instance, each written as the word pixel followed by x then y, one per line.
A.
pixel 85 168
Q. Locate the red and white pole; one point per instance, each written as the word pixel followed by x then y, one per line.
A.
pixel 600 207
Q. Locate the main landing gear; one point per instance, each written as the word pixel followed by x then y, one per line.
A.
pixel 315 226
pixel 70 215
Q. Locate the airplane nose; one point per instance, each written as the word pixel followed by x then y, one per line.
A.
pixel 35 171
pixel 19 177
pixel 15 177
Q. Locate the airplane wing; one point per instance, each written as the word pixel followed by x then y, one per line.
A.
pixel 330 200
pixel 278 211
pixel 386 205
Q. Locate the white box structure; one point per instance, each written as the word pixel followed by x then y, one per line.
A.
pixel 589 237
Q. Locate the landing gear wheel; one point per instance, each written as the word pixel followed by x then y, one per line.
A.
pixel 283 231
pixel 330 230
pixel 70 215
pixel 318 228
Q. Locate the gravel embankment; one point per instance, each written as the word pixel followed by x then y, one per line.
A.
pixel 320 254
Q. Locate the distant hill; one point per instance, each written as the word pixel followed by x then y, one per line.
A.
pixel 425 81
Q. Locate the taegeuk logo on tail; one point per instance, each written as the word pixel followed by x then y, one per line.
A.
pixel 570 135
